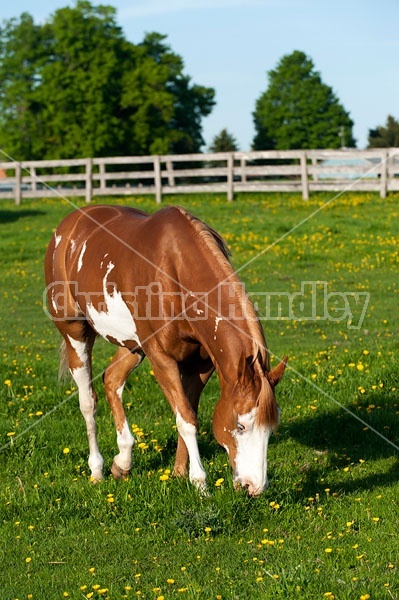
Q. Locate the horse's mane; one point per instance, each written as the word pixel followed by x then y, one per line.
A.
pixel 220 251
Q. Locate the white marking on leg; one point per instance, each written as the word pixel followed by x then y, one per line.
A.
pixel 80 349
pixel 116 321
pixel 251 457
pixel 80 259
pixel 87 408
pixel 189 434
pixel 125 441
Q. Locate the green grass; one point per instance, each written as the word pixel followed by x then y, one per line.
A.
pixel 327 525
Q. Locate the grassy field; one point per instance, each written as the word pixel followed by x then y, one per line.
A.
pixel 327 525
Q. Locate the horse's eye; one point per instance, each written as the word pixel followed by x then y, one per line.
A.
pixel 240 427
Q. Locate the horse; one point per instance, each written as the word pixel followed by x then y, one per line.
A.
pixel 162 286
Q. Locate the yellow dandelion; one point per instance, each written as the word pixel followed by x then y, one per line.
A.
pixel 328 550
pixel 66 451
pixel 219 482
pixel 164 477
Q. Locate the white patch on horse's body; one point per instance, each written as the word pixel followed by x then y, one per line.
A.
pixel 125 441
pixel 80 259
pixel 217 321
pixel 73 246
pixel 116 320
pixel 102 262
pixel 57 239
pixel 189 434
pixel 53 302
pixel 81 376
pixel 251 457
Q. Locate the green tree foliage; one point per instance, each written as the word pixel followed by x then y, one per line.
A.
pixel 298 110
pixel 75 86
pixel 223 142
pixel 385 137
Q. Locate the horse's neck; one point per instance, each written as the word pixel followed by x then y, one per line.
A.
pixel 226 341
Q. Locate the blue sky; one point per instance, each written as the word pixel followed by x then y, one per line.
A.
pixel 231 44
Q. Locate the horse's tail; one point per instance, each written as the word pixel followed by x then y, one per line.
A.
pixel 63 367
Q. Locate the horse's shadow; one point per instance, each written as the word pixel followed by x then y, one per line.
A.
pixel 345 440
pixel 10 216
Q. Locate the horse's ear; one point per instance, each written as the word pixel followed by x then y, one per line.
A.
pixel 275 375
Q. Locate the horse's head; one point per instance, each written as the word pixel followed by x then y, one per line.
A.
pixel 245 416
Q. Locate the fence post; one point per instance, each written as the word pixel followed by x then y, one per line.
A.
pixel 103 181
pixel 230 177
pixel 243 173
pixel 383 175
pixel 157 179
pixel 17 189
pixel 34 180
pixel 171 177
pixel 89 182
pixel 304 176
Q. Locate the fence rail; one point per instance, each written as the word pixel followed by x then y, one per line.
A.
pixel 302 171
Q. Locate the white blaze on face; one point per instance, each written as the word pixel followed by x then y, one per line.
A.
pixel 251 457
pixel 116 319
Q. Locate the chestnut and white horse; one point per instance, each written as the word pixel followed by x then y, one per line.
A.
pixel 162 286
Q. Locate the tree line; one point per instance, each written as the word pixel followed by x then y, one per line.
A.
pixel 75 86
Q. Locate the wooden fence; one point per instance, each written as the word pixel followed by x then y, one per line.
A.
pixel 302 171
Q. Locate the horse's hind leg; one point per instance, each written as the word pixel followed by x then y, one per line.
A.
pixel 115 377
pixel 78 350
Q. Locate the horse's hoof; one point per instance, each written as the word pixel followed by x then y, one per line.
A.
pixel 96 477
pixel 118 472
pixel 180 472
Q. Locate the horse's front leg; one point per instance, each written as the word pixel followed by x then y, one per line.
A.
pixel 115 377
pixel 194 377
pixel 167 373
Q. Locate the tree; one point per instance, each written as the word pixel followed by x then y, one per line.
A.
pixel 75 86
pixel 158 100
pixel 223 142
pixel 298 110
pixel 385 137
